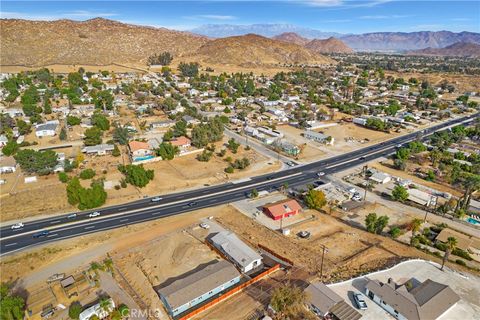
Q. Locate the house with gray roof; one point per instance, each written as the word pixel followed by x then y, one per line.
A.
pixel 325 303
pixel 239 253
pixel 99 149
pixel 412 300
pixel 47 129
pixel 318 137
pixel 197 287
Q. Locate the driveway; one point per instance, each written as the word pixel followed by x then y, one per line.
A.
pixel 466 286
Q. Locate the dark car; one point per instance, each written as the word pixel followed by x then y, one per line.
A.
pixel 193 203
pixel 359 301
pixel 361 158
pixel 41 234
pixel 270 177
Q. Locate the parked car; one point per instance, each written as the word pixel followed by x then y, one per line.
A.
pixel 291 164
pixel 204 226
pixel 156 199
pixel 18 225
pixel 72 216
pixel 94 214
pixel 304 234
pixel 321 174
pixel 41 234
pixel 360 301
pixel 357 197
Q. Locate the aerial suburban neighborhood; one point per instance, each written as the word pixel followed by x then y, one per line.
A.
pixel 243 171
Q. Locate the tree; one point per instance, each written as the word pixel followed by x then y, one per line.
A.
pixel 288 301
pixel 86 198
pixel 10 148
pixel 105 304
pixel 116 151
pixel 471 184
pixel 164 59
pixel 63 134
pixel 254 193
pixel 400 193
pixel 136 175
pixel 380 224
pixel 395 232
pixel 233 145
pixel 189 69
pixel 93 136
pixel 451 244
pixel 205 156
pixel 63 177
pixel 167 151
pixel 315 199
pixel 73 121
pixel 23 127
pixel 103 100
pixel 74 310
pixel 87 174
pixel 11 306
pixel 47 106
pixel 415 225
pixel 121 135
pixel 41 162
pixel 370 221
pixel 206 133
pixel 100 121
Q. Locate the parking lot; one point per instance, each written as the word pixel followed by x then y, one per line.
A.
pixel 467 288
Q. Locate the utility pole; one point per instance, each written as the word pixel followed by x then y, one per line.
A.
pixel 321 264
pixel 365 168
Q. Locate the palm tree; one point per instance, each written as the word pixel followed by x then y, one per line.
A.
pixel 105 304
pixel 451 245
pixel 471 183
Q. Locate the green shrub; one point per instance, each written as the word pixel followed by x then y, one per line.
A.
pixel 462 253
pixel 229 169
pixel 63 177
pixel 87 174
pixel 461 262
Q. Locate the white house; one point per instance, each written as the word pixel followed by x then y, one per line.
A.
pixel 47 129
pixel 97 310
pixel 319 137
pixel 7 165
pixel 99 149
pixel 380 177
pixel 244 257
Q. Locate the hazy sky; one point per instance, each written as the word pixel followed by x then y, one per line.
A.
pixel 326 15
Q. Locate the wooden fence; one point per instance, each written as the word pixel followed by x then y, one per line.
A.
pixel 275 254
pixel 228 294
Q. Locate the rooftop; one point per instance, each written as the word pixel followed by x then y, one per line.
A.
pixel 235 248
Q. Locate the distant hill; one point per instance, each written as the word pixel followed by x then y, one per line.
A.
pixel 266 30
pixel 292 37
pixel 95 41
pixel 462 49
pixel 253 50
pixel 330 45
pixel 401 41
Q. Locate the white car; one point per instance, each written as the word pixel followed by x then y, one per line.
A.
pixel 321 174
pixel 204 226
pixel 156 199
pixel 17 226
pixel 94 214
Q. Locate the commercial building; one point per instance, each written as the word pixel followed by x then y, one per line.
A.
pixel 197 287
pixel 282 209
pixel 412 300
pixel 325 303
pixel 240 254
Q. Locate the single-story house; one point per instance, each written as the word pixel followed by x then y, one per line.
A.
pixel 197 287
pixel 318 137
pixel 380 177
pixel 412 300
pixel 47 129
pixel 282 209
pixel 181 142
pixel 244 257
pixel 162 124
pixel 139 148
pixel 325 303
pixel 97 310
pixel 99 149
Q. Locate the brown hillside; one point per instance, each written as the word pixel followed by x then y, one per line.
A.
pixel 96 41
pixel 330 45
pixel 292 37
pixel 461 49
pixel 253 50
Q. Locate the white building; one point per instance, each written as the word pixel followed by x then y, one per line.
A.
pixel 97 310
pixel 319 137
pixel 47 129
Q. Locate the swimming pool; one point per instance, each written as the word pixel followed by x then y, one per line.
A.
pixel 143 158
pixel 473 221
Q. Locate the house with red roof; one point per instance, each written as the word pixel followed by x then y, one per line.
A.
pixel 139 149
pixel 282 209
pixel 181 142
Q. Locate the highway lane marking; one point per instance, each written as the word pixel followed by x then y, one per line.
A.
pixel 89 227
pixel 142 210
pixel 10 244
pixel 123 220
pixel 52 235
pixel 56 221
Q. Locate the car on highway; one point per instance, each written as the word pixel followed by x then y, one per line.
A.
pixel 94 214
pixel 72 216
pixel 361 158
pixel 270 177
pixel 192 204
pixel 360 301
pixel 18 225
pixel 204 226
pixel 321 174
pixel 41 234
pixel 156 199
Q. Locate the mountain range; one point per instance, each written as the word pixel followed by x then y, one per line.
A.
pixel 377 41
pixel 461 49
pixel 330 45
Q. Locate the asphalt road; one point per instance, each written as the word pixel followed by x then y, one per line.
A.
pixel 61 227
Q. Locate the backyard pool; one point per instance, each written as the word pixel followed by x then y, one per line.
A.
pixel 143 158
pixel 473 221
